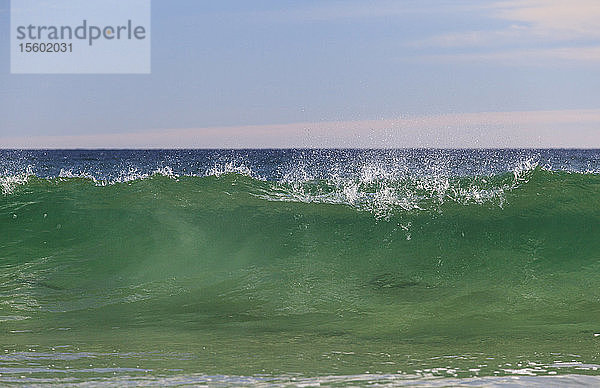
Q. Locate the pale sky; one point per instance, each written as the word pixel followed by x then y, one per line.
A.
pixel 324 73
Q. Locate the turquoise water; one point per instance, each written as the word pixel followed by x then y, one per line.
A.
pixel 441 274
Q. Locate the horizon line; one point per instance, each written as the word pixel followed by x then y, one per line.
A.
pixel 316 149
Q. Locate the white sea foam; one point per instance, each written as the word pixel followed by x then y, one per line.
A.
pixel 69 174
pixel 381 188
pixel 385 189
pixel 9 182
pixel 230 167
pixel 36 375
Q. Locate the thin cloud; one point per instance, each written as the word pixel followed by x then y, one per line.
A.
pixel 473 38
pixel 530 20
pixel 560 128
pixel 554 19
pixel 550 29
pixel 526 57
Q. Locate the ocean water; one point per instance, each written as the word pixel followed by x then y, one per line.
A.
pixel 300 267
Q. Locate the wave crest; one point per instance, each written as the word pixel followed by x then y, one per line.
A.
pixel 383 190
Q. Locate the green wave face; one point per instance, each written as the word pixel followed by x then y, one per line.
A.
pixel 245 276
